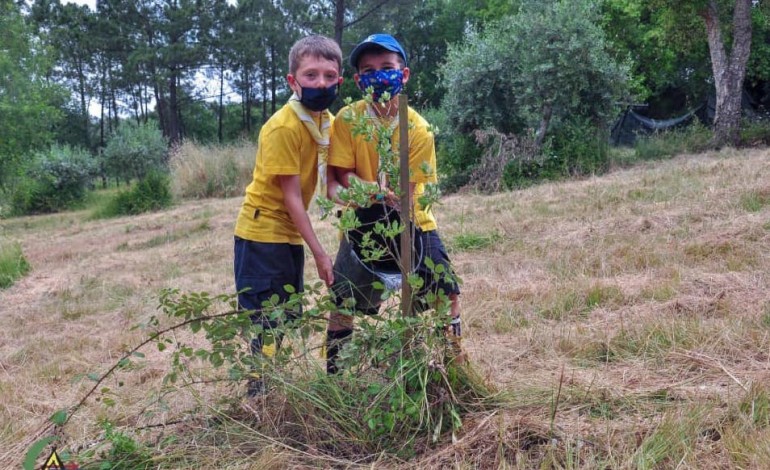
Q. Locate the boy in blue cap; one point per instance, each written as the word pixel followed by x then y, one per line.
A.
pixel 380 62
pixel 273 220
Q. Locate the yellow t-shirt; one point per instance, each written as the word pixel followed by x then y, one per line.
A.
pixel 348 151
pixel 285 148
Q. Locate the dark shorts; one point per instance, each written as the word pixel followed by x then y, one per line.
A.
pixel 264 269
pixel 436 282
pixel 352 280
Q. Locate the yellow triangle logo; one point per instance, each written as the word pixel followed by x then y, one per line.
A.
pixel 53 462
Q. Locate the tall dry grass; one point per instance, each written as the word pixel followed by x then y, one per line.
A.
pixel 211 171
pixel 625 318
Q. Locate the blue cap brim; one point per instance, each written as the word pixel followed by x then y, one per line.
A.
pixel 376 41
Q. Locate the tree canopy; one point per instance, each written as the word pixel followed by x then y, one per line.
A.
pixel 215 69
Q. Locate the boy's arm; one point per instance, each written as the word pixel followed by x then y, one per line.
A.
pixel 339 178
pixel 292 198
pixel 336 180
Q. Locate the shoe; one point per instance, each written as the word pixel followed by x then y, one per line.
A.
pixel 255 387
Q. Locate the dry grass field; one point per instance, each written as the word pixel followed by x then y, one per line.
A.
pixel 626 317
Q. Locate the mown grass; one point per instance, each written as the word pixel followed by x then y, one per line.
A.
pixel 623 319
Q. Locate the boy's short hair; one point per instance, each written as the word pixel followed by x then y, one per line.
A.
pixel 378 43
pixel 316 46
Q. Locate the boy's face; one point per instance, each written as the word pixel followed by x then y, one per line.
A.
pixel 380 60
pixel 314 72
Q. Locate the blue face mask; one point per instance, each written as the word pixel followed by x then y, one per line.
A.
pixel 381 81
pixel 318 99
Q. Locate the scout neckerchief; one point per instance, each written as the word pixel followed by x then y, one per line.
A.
pixel 319 134
pixel 392 123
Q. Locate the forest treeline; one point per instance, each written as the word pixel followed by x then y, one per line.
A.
pixel 518 89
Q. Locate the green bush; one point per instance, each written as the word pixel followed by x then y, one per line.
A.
pixel 53 180
pixel 135 150
pixel 151 193
pixel 519 173
pixel 13 264
pixel 581 147
pixel 457 155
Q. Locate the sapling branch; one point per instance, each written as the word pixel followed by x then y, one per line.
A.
pixel 123 361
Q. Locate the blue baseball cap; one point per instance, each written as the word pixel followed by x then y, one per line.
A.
pixel 385 41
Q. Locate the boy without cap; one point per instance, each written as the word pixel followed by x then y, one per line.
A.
pixel 273 220
pixel 381 63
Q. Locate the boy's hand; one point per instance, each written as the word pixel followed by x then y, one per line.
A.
pixel 392 200
pixel 325 267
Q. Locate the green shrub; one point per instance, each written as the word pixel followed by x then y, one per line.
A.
pixel 755 132
pixel 456 153
pixel 533 168
pixel 135 150
pixel 53 180
pixel 150 194
pixel 13 264
pixel 582 149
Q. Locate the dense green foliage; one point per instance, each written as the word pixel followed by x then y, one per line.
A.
pixel 214 70
pixel 151 193
pixel 546 68
pixel 29 103
pixel 134 151
pixel 52 180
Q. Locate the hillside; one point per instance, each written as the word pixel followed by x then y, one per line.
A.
pixel 627 315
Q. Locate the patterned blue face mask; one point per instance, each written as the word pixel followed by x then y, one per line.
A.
pixel 381 81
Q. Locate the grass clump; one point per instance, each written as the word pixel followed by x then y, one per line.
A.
pixel 755 201
pixel 474 241
pixel 694 139
pixel 669 444
pixel 13 264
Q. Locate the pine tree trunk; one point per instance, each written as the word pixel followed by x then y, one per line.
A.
pixel 729 71
pixel 339 21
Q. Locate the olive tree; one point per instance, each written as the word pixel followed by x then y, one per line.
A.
pixel 547 62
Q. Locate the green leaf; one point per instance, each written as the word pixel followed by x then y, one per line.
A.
pixel 36 449
pixel 138 354
pixel 59 418
pixel 93 376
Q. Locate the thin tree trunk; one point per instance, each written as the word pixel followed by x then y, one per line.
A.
pixel 83 105
pixel 544 122
pixel 174 128
pixel 247 112
pixel 339 20
pixel 273 69
pixel 264 95
pixel 729 71
pixel 220 114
